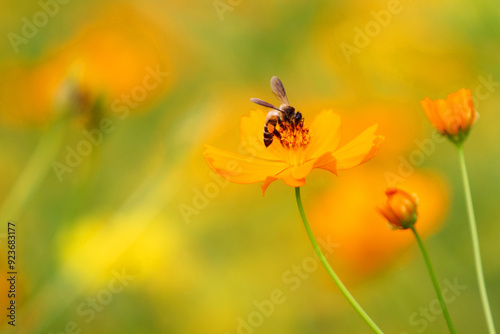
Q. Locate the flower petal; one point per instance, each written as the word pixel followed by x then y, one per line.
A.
pixel 239 168
pixel 327 162
pixel 359 150
pixel 463 106
pixel 388 214
pixel 287 177
pixel 252 137
pixel 301 171
pixel 449 115
pixel 267 182
pixel 325 134
pixel 432 113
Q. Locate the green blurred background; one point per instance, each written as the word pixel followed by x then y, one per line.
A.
pixel 137 236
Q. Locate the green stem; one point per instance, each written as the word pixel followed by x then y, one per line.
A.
pixel 432 274
pixel 330 271
pixel 33 173
pixel 475 243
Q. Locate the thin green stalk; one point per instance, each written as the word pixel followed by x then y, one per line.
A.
pixel 432 274
pixel 34 172
pixel 330 271
pixel 475 243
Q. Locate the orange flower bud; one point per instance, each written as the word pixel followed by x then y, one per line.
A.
pixel 454 116
pixel 400 209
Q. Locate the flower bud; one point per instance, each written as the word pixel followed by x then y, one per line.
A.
pixel 454 116
pixel 71 97
pixel 400 208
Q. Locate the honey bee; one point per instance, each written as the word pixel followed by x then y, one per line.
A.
pixel 279 118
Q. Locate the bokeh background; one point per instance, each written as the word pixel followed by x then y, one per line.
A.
pixel 137 235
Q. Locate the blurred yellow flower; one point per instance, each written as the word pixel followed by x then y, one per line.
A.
pixel 292 158
pixel 94 247
pixel 454 116
pixel 400 209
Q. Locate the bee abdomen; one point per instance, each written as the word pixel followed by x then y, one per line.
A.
pixel 268 137
pixel 270 130
pixel 268 142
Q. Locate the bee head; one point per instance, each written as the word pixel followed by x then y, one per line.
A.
pixel 288 110
pixel 298 117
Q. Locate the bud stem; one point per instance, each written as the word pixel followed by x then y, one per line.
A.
pixel 330 271
pixel 434 280
pixel 34 171
pixel 475 242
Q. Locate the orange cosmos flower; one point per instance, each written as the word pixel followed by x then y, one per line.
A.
pixel 291 158
pixel 454 116
pixel 400 209
pixel 110 58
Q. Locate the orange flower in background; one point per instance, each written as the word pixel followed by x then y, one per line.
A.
pixel 400 209
pixel 295 155
pixel 454 116
pixel 124 60
pixel 345 215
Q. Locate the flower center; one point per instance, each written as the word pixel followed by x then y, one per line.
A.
pixel 294 136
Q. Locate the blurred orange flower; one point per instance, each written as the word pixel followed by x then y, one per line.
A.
pixel 345 216
pixel 400 209
pixel 121 60
pixel 454 116
pixel 292 158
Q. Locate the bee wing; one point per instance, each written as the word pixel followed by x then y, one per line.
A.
pixel 263 103
pixel 279 90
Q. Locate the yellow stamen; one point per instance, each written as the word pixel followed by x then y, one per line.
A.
pixel 295 136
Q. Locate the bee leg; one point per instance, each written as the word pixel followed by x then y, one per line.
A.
pixel 277 133
pixel 280 123
pixel 298 118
